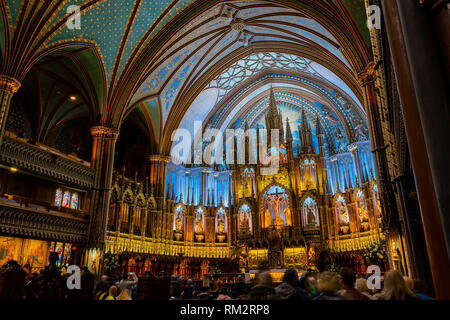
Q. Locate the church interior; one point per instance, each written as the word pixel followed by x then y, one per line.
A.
pixel 105 105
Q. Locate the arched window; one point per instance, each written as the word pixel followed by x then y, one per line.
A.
pixel 178 220
pixel 342 211
pixel 245 219
pixel 310 213
pixel 199 223
pixel 58 198
pixel 66 199
pixel 74 201
pixel 361 206
pixel 221 221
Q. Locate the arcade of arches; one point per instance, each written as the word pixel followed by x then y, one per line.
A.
pixel 92 164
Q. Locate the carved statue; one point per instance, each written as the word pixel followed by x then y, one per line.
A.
pixel 178 224
pixel 199 224
pixel 221 226
pixel 311 216
pixel 267 219
pixel 288 216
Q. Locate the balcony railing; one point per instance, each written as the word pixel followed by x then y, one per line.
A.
pixel 46 162
pixel 38 223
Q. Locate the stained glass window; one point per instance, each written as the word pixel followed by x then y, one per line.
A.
pixel 58 198
pixel 66 199
pixel 74 201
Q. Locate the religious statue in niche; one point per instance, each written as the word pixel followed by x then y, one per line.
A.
pixel 244 216
pixel 310 213
pixel 199 224
pixel 276 208
pixel 342 214
pixel 221 225
pixel 179 223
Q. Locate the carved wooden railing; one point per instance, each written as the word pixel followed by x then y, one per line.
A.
pixel 31 158
pixel 24 222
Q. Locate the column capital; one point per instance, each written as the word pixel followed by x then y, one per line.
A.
pixel 368 75
pixel 100 131
pixel 9 84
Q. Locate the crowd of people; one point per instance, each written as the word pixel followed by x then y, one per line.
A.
pixel 51 284
pixel 312 286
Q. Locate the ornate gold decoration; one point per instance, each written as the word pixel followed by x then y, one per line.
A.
pixel 368 74
pixel 9 84
pixel 100 131
pixel 158 158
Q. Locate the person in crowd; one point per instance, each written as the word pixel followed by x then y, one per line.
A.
pixel 223 295
pixel 263 290
pixel 409 282
pixel 328 286
pixel 128 282
pixel 420 289
pixel 175 287
pixel 110 294
pixel 188 291
pixel 361 286
pixel 102 286
pixel 395 287
pixel 290 288
pixel 13 281
pixel 204 294
pixel 124 295
pixel 309 284
pixel 87 284
pixel 238 288
pixel 348 291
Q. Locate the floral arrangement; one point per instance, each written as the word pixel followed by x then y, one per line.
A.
pixel 111 262
pixel 376 254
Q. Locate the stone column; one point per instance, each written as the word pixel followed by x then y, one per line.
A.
pixel 104 142
pixel 425 101
pixel 8 87
pixel 157 175
pixel 440 13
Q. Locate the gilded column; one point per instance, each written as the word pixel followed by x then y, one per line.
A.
pixel 8 87
pixel 157 175
pixel 104 142
pixel 367 79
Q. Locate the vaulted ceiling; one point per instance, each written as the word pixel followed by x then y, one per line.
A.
pixel 158 56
